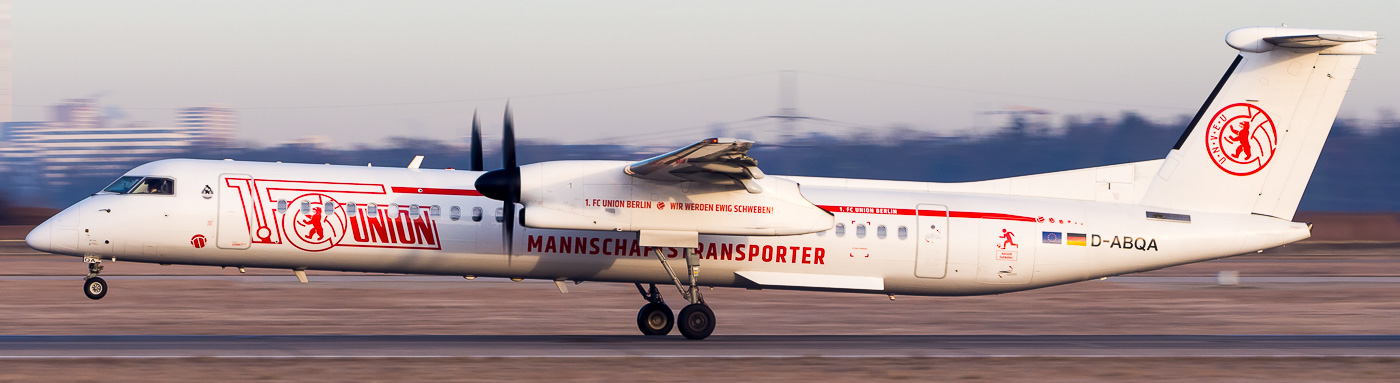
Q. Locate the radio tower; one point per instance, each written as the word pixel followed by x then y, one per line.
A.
pixel 787 114
pixel 787 103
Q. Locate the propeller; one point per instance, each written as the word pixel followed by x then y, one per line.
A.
pixel 504 184
pixel 477 163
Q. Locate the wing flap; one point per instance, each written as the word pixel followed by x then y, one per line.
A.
pixel 711 161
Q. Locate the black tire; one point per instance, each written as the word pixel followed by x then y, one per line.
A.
pixel 95 288
pixel 655 319
pixel 696 321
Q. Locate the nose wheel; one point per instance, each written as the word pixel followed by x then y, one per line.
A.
pixel 94 287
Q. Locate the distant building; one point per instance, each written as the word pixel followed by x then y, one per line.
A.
pixel 211 125
pixel 78 143
pixel 309 142
pixel 6 92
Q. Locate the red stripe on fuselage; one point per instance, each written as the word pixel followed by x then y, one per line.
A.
pixel 437 191
pixel 926 213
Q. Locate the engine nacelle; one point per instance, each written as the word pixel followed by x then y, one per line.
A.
pixel 598 195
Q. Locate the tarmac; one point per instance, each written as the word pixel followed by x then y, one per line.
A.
pixel 735 346
pixel 1311 312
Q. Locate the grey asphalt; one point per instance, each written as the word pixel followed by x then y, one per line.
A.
pixel 719 346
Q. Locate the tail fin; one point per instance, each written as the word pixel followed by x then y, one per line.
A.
pixel 1253 144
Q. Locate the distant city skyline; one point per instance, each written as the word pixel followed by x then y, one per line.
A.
pixel 76 143
pixel 642 72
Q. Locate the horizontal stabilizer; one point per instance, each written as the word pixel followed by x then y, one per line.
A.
pixel 1313 41
pixel 1325 41
pixel 820 281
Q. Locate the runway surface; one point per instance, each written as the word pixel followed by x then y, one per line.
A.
pixel 448 279
pixel 752 346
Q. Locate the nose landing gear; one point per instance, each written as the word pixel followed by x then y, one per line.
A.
pixel 93 286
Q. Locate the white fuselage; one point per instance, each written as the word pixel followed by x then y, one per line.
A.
pixel 887 241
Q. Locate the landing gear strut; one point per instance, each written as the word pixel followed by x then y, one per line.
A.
pixel 697 321
pixel 93 286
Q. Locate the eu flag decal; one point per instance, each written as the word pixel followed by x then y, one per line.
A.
pixel 1050 237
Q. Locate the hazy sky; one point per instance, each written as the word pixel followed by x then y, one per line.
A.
pixel 585 71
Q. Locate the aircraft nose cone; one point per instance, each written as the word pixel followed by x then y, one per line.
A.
pixel 41 238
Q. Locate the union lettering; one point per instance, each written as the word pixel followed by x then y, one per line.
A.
pixel 400 231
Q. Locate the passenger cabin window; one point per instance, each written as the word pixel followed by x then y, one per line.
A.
pixel 880 232
pixel 281 206
pixel 352 209
pixel 903 232
pixel 306 207
pixel 414 211
pixel 860 230
pixel 328 208
pixel 840 229
pixel 500 215
pixel 393 211
pixel 435 211
pixel 373 210
pixel 476 214
pixel 456 213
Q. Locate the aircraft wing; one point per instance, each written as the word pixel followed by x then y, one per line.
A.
pixel 713 161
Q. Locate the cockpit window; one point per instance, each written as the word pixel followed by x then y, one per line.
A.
pixel 141 185
pixel 123 185
pixel 155 185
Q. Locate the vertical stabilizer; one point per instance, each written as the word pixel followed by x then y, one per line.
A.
pixel 1252 146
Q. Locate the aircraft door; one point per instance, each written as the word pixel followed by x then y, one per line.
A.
pixel 931 231
pixel 236 203
pixel 1006 251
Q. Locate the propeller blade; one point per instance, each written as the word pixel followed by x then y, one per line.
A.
pixel 513 186
pixel 477 163
pixel 508 141
pixel 509 226
pixel 504 184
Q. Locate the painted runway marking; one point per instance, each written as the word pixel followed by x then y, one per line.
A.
pixel 686 357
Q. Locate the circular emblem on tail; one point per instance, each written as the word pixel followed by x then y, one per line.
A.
pixel 1241 139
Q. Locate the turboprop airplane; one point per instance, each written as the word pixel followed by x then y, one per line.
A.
pixel 1229 186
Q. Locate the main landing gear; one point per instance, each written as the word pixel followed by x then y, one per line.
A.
pixel 655 318
pixel 93 286
pixel 697 321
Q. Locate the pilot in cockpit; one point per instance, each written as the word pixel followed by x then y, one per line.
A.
pixel 147 185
